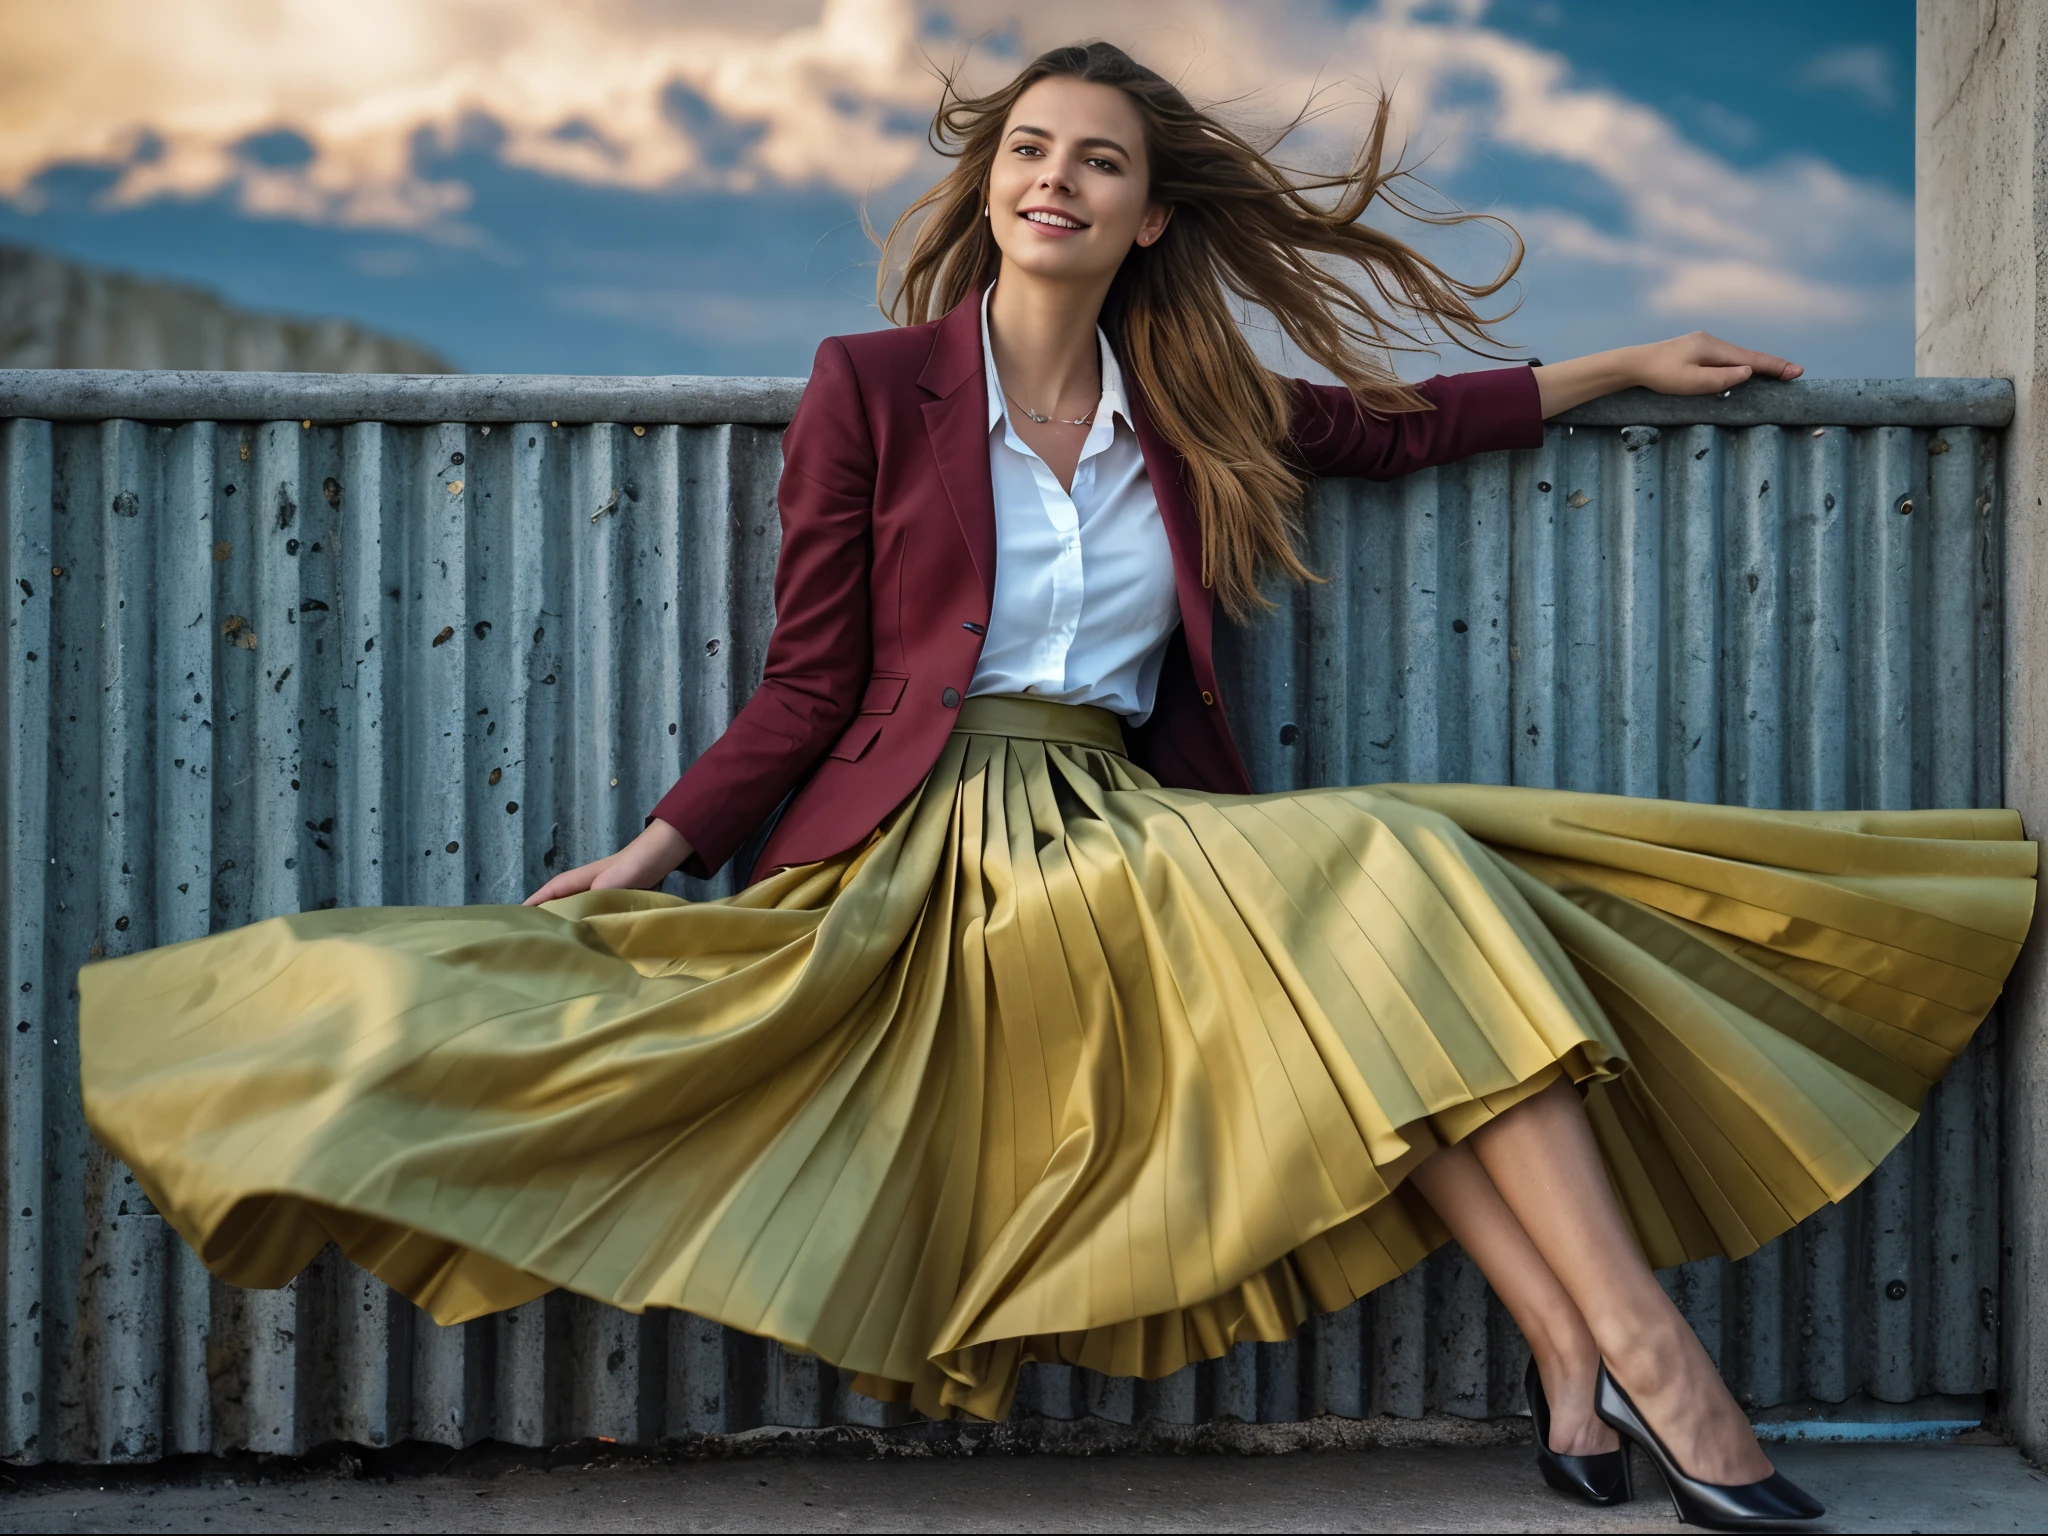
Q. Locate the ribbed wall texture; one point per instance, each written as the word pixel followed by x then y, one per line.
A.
pixel 257 667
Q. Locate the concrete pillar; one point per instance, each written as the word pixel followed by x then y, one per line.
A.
pixel 1981 307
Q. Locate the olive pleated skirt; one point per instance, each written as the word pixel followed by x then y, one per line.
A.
pixel 1060 1064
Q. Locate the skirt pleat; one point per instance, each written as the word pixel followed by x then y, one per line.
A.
pixel 1060 1065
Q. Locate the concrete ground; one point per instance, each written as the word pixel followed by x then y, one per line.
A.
pixel 1955 1487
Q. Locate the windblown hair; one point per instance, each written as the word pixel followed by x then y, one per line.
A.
pixel 1244 226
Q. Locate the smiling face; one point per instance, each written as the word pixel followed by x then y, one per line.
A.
pixel 1068 194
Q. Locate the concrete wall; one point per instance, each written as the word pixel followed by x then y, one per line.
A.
pixel 1981 307
pixel 1785 597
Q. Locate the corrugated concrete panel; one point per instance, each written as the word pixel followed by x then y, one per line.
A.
pixel 254 667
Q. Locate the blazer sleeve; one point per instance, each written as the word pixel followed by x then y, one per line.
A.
pixel 1473 413
pixel 818 653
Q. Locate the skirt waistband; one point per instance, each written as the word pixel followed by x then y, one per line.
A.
pixel 1010 714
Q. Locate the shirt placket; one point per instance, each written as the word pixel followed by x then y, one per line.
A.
pixel 1063 621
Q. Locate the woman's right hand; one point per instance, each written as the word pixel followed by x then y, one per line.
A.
pixel 642 864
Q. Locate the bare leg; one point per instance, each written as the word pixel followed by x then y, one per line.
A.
pixel 1542 1158
pixel 1457 1187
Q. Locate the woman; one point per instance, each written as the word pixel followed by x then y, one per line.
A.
pixel 1041 1037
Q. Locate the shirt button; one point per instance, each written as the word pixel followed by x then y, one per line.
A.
pixel 950 698
pixel 1208 697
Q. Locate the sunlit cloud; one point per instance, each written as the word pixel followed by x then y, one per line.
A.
pixel 1749 288
pixel 600 92
pixel 178 101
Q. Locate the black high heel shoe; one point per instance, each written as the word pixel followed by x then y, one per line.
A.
pixel 1776 1501
pixel 1600 1479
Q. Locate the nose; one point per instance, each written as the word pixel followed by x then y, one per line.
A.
pixel 1056 178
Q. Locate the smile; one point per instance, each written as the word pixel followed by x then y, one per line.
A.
pixel 1054 220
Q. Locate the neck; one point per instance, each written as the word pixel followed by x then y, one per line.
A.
pixel 1043 335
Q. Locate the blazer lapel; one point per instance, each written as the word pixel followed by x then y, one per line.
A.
pixel 957 423
pixel 1183 535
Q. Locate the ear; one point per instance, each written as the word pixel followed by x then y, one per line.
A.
pixel 1153 225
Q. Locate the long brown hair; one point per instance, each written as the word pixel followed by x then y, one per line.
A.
pixel 1242 226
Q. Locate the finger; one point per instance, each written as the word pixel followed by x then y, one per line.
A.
pixel 559 886
pixel 619 875
pixel 1766 365
pixel 1712 381
pixel 1763 365
pixel 568 883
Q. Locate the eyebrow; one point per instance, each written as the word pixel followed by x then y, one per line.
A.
pixel 1085 143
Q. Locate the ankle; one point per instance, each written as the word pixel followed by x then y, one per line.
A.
pixel 1562 1361
pixel 1643 1355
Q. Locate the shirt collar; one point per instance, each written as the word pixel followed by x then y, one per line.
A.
pixel 1112 404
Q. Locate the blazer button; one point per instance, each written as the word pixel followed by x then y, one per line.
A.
pixel 950 698
pixel 1208 697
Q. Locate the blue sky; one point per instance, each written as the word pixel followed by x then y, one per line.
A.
pixel 634 186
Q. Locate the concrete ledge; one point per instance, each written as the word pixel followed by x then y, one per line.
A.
pixel 95 394
pixel 1811 403
pixel 89 394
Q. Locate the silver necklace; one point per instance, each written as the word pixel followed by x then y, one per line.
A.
pixel 1064 421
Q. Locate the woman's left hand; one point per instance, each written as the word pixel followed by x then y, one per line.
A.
pixel 1698 364
pixel 641 865
pixel 1701 364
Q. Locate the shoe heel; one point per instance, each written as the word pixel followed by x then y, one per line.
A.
pixel 1771 1504
pixel 1600 1480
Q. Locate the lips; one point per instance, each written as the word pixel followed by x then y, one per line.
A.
pixel 1053 219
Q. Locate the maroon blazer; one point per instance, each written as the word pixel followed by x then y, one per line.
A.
pixel 888 570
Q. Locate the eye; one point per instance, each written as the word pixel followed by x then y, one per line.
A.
pixel 1028 149
pixel 1110 166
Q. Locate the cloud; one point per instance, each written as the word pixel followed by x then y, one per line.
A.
pixel 1705 240
pixel 173 95
pixel 1692 288
pixel 1750 288
pixel 1862 69
pixel 1728 126
pixel 666 95
pixel 719 318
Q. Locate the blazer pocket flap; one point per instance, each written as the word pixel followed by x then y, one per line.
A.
pixel 884 690
pixel 858 737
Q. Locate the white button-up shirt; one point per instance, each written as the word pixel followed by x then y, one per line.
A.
pixel 1085 599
